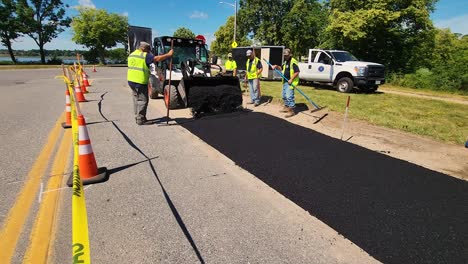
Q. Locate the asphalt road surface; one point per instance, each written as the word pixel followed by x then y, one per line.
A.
pixel 221 189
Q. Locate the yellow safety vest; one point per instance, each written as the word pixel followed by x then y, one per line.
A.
pixel 252 74
pixel 295 82
pixel 230 65
pixel 138 71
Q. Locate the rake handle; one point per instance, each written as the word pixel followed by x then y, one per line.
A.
pixel 295 87
pixel 169 85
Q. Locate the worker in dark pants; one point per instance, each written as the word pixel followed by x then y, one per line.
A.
pixel 138 76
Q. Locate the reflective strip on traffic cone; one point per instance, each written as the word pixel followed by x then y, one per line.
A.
pixel 88 169
pixel 79 95
pixel 67 123
pixel 85 79
pixel 83 89
pixel 88 166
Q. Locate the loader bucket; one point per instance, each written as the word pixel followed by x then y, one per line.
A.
pixel 211 94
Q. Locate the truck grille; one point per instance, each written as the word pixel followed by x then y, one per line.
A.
pixel 376 71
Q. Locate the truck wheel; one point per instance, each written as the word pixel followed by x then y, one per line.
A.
pixel 344 85
pixel 175 99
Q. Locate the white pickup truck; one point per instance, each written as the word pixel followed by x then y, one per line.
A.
pixel 342 70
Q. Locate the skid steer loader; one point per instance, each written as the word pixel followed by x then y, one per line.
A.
pixel 195 83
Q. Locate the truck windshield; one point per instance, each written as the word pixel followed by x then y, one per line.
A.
pixel 342 56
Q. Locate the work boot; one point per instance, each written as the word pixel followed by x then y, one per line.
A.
pixel 141 121
pixel 285 109
pixel 290 113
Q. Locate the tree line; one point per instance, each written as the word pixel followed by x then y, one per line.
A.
pixel 398 34
pixel 48 53
pixel 44 20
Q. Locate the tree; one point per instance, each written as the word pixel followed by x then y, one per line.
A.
pixel 183 32
pixel 224 38
pixel 264 21
pixel 9 25
pixel 42 20
pixel 117 55
pixel 303 26
pixel 98 30
pixel 396 33
pixel 450 61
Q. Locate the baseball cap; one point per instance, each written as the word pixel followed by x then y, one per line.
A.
pixel 144 45
pixel 249 52
pixel 229 54
pixel 286 52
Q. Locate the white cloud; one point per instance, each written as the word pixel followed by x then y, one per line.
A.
pixel 125 14
pixel 198 15
pixel 86 3
pixel 457 24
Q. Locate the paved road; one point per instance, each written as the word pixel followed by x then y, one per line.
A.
pixel 171 198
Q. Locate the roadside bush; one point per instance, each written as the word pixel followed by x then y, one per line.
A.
pixel 422 78
pixel 55 60
pixel 440 78
pixel 91 56
pixel 117 56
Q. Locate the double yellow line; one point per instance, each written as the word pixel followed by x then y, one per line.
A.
pixel 43 231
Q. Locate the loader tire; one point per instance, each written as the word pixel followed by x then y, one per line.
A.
pixel 153 90
pixel 175 98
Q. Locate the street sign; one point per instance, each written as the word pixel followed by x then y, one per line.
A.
pixel 234 44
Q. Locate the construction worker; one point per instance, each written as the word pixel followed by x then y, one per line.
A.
pixel 230 66
pixel 138 74
pixel 291 72
pixel 254 70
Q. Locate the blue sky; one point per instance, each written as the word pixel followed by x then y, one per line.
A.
pixel 205 17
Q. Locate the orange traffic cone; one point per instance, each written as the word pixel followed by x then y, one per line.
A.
pixel 67 123
pixel 85 79
pixel 83 89
pixel 94 68
pixel 79 95
pixel 89 171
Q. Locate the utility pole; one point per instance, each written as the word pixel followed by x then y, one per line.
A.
pixel 235 15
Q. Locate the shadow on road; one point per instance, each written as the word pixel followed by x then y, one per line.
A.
pixel 171 205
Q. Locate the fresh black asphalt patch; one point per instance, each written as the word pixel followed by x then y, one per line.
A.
pixel 397 211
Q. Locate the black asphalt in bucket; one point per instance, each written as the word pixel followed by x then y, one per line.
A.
pixel 397 211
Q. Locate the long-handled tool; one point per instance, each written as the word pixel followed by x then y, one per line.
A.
pixel 317 108
pixel 169 85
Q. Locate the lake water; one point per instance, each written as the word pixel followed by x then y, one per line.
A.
pixel 66 60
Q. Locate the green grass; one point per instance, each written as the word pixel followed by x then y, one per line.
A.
pixel 440 120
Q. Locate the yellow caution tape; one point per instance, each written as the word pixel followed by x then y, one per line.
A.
pixel 80 237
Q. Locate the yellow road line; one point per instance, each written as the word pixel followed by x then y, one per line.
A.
pixel 41 235
pixel 14 222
